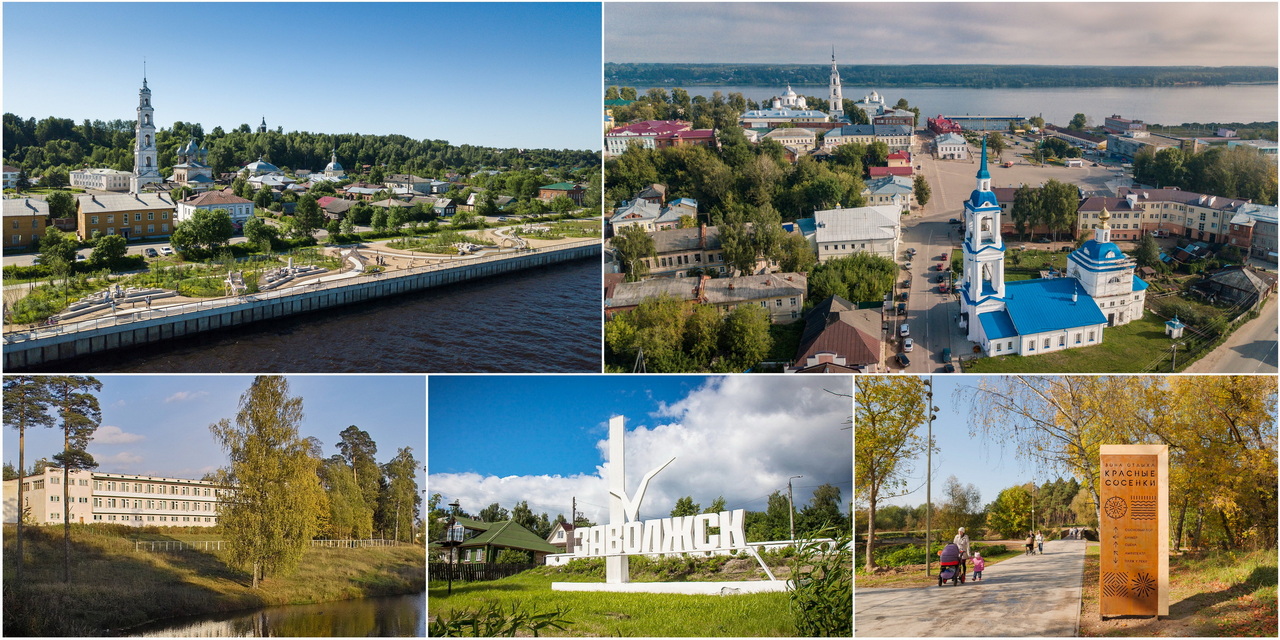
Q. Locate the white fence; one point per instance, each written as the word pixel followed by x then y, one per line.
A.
pixel 355 544
pixel 560 559
pixel 216 545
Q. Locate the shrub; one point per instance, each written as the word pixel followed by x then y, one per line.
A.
pixel 822 586
pixel 494 621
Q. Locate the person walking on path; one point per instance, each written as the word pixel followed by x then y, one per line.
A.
pixel 1040 542
pixel 1031 544
pixel 978 564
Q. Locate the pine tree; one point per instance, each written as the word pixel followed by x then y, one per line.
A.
pixel 26 404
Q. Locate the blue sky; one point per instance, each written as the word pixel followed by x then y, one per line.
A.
pixel 159 425
pixel 541 438
pixel 971 459
pixel 490 74
pixel 1051 33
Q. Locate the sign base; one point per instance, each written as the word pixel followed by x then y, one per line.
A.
pixel 688 588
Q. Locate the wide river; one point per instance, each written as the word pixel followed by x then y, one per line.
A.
pixel 1165 105
pixel 541 320
pixel 387 617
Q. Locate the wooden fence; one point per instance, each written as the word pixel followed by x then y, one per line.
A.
pixel 177 545
pixel 355 544
pixel 474 571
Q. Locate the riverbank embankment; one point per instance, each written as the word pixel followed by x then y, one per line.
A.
pixel 114 587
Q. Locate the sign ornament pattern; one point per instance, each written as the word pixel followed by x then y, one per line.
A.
pixel 1134 495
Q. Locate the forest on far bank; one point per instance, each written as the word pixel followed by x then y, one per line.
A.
pixel 980 76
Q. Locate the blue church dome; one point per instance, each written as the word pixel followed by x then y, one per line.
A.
pixel 1101 251
pixel 981 199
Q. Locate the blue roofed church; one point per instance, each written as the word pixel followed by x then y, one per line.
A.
pixel 1029 317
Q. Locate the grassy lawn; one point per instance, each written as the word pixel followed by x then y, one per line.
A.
pixel 1212 594
pixel 114 587
pixel 575 229
pixel 1128 348
pixel 623 614
pixel 1028 264
pixel 441 242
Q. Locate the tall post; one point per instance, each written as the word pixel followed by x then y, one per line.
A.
pixel 928 482
pixel 791 507
pixel 616 567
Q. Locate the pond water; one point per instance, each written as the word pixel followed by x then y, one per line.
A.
pixel 391 616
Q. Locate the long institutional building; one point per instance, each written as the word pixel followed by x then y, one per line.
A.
pixel 116 498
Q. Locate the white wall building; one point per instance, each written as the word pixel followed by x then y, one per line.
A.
pixel 239 208
pixel 952 146
pixel 844 232
pixel 100 179
pixel 116 498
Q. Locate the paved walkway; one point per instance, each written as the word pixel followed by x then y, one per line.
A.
pixel 1025 596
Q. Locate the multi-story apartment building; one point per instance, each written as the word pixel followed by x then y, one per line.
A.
pixel 129 215
pixel 897 137
pixel 100 179
pixel 25 220
pixel 1163 213
pixel 116 498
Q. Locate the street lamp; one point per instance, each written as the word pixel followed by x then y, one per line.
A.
pixel 452 538
pixel 791 512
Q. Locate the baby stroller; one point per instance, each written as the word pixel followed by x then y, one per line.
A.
pixel 952 567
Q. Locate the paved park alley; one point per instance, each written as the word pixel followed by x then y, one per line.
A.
pixel 1024 596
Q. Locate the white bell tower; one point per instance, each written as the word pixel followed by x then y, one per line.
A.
pixel 982 283
pixel 836 97
pixel 145 168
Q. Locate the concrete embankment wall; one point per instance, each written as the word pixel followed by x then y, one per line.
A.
pixel 36 352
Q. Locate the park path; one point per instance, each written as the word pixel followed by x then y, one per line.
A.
pixel 1025 596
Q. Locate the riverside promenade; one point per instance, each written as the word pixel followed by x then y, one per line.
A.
pixel 28 348
pixel 1027 596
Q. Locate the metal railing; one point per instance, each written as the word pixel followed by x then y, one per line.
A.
pixel 16 336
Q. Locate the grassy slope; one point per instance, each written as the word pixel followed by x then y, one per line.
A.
pixel 113 586
pixel 625 614
pixel 1127 348
pixel 1212 594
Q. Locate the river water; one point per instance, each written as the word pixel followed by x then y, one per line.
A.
pixel 545 319
pixel 391 616
pixel 1162 105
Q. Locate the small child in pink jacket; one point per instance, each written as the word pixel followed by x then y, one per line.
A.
pixel 978 564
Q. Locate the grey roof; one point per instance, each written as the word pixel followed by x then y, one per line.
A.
pixel 791 132
pixel 714 290
pixel 671 240
pixel 877 130
pixel 890 184
pixel 25 207
pixel 951 138
pixel 124 202
pixel 636 210
pixel 862 223
pixel 1250 213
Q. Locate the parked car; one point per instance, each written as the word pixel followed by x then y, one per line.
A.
pixel 955 221
pixel 80 257
pixel 904 296
pixel 904 360
pixel 908 345
pixel 946 354
pixel 166 251
pixel 902 308
pixel 948 368
pixel 150 252
pixel 942 266
pixel 904 330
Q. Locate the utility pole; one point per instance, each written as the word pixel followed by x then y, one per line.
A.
pixel 791 504
pixel 928 480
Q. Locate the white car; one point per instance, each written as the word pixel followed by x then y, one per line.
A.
pixel 166 251
pixel 908 345
pixel 904 330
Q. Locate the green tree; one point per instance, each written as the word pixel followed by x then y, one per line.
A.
pixel 80 415
pixel 797 254
pixel 401 499
pixel 54 179
pixel 259 233
pixel 107 250
pixel 562 204
pixel 27 400
pixel 1010 514
pixel 349 516
pixel 307 216
pixel 275 504
pixel 996 143
pixel 634 247
pixel 744 339
pixel 263 198
pixel 359 450
pixel 57 247
pixel 921 188
pixel 61 205
pixel 888 413
pixel 686 507
pixel 961 506
pixel 1078 122
pixel 824 510
pixel 494 513
pixel 1148 253
pixel 513 556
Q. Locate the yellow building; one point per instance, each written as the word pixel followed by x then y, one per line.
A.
pixel 129 215
pixel 25 220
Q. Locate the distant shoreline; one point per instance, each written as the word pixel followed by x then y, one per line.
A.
pixel 934 75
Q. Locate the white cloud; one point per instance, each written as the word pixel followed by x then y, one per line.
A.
pixel 183 396
pixel 122 459
pixel 114 435
pixel 740 437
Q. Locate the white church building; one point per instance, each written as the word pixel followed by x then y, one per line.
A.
pixel 1030 317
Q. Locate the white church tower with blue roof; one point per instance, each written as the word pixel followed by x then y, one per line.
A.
pixel 982 282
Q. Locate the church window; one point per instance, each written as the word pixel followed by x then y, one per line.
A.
pixel 147 142
pixel 997 347
pixel 1090 336
pixel 1046 343
pixel 1062 341
pixel 148 162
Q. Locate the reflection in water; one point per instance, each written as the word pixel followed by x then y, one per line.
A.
pixel 394 616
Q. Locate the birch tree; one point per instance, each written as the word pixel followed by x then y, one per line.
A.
pixel 888 412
